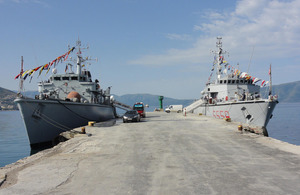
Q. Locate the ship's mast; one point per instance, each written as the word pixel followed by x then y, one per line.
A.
pixel 270 86
pixel 79 58
pixel 219 57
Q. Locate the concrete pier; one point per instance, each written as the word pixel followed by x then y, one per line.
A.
pixel 163 154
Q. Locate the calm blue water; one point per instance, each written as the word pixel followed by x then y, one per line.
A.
pixel 285 124
pixel 14 143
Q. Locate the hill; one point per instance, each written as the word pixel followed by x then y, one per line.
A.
pixel 287 92
pixel 151 100
pixel 7 99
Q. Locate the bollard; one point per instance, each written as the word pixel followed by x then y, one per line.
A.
pixel 240 128
pixel 227 119
pixel 83 130
pixel 91 123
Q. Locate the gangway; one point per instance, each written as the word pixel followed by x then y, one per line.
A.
pixel 121 105
pixel 193 106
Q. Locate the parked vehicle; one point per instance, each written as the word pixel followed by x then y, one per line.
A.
pixel 131 115
pixel 174 108
pixel 139 107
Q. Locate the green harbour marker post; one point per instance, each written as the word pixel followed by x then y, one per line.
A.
pixel 161 102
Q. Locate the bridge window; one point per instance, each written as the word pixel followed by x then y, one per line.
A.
pixel 57 78
pixel 65 78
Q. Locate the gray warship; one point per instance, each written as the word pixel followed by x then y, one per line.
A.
pixel 65 101
pixel 230 94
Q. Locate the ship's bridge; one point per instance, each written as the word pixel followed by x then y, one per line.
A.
pixel 231 88
pixel 60 85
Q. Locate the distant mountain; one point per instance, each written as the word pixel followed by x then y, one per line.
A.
pixel 287 92
pixel 7 99
pixel 151 100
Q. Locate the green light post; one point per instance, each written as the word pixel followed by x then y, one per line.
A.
pixel 161 102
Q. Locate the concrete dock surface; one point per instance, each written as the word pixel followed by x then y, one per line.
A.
pixel 163 154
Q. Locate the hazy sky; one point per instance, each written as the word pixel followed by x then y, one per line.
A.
pixel 161 47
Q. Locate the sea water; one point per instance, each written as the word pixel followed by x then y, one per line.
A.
pixel 14 144
pixel 285 123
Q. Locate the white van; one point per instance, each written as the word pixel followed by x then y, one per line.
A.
pixel 174 108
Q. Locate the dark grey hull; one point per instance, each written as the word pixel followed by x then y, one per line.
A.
pixel 46 119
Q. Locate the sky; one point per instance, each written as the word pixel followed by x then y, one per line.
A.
pixel 159 47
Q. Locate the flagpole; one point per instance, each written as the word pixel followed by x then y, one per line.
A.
pixel 270 87
pixel 21 77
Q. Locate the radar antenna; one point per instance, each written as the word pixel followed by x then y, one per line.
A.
pixel 81 61
pixel 219 57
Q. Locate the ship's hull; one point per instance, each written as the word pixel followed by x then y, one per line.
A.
pixel 253 113
pixel 46 119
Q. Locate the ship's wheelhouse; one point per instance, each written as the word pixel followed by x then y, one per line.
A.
pixel 60 85
pixel 231 89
